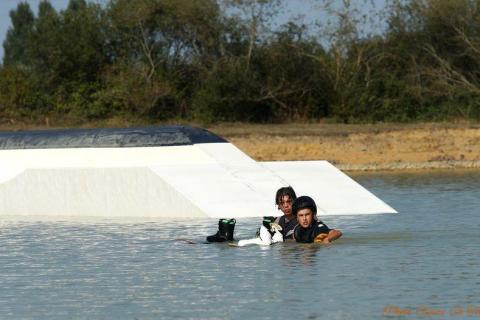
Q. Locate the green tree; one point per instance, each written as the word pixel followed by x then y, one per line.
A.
pixel 18 35
pixel 68 52
pixel 19 96
pixel 254 18
pixel 445 42
pixel 164 44
pixel 295 79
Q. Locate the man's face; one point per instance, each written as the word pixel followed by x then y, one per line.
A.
pixel 305 217
pixel 285 204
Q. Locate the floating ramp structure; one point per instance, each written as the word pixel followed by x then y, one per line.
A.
pixel 172 171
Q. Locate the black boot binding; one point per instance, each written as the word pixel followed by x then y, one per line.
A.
pixel 225 231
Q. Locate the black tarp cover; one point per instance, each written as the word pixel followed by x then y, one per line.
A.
pixel 107 138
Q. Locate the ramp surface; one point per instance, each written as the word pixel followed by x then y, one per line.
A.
pixel 159 172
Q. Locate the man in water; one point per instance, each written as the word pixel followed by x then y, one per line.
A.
pixel 309 228
pixel 283 199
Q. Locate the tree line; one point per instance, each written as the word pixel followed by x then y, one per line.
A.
pixel 228 60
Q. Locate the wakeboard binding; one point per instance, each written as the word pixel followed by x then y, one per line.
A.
pixel 225 231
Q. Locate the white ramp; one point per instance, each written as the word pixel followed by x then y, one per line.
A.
pixel 167 172
pixel 236 186
pixel 233 186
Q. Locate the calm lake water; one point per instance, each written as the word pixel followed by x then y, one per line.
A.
pixel 424 259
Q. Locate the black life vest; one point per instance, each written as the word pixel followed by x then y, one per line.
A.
pixel 307 235
pixel 287 227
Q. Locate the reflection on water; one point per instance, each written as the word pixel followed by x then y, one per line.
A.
pixel 427 255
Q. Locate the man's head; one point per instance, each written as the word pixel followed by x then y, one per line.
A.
pixel 305 209
pixel 284 199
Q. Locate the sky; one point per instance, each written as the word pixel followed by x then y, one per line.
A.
pixel 294 8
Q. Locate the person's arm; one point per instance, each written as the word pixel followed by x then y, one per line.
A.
pixel 332 235
pixel 328 237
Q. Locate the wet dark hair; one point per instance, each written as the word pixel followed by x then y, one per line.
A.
pixel 285 191
pixel 304 202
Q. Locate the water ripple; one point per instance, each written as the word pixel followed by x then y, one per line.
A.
pixel 104 269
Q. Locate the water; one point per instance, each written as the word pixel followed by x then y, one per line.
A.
pixel 422 260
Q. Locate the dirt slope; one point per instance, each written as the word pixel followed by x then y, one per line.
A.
pixel 361 147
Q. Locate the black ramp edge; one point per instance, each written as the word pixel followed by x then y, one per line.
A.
pixel 107 138
pixel 199 135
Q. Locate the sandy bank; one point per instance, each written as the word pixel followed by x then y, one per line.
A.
pixel 362 147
